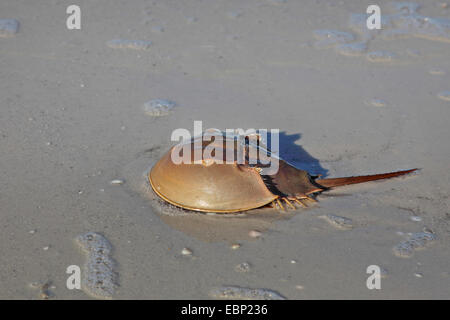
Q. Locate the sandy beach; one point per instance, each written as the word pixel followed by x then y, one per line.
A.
pixel 77 140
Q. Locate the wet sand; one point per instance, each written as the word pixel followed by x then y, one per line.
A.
pixel 73 118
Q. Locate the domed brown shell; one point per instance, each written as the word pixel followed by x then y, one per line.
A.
pixel 209 187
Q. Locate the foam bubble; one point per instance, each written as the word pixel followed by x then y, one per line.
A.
pixel 437 29
pixel 380 56
pixel 375 102
pixel 406 22
pixel 239 293
pixel 243 267
pixel 99 278
pixel 403 22
pixel 417 241
pixel 405 7
pixel 159 107
pixel 338 221
pixel 8 28
pixel 129 44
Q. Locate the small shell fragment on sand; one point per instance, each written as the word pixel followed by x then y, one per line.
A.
pixel 186 252
pixel 254 234
pixel 129 44
pixel 117 182
pixel 8 28
pixel 417 241
pixel 159 107
pixel 338 221
pixel 99 278
pixel 239 293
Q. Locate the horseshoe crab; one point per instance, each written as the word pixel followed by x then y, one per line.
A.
pixel 209 186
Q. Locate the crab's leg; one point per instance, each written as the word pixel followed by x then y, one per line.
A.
pixel 289 203
pixel 274 204
pixel 299 202
pixel 280 204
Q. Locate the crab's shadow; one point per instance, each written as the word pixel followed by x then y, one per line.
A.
pixel 293 153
